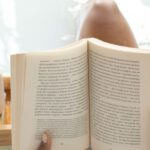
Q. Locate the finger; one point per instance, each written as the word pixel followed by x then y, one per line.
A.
pixel 46 142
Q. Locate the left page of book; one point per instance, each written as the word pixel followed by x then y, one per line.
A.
pixel 56 99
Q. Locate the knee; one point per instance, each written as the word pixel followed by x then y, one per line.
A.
pixel 103 10
pixel 105 21
pixel 105 6
pixel 101 15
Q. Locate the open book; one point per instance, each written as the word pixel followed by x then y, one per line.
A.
pixel 88 93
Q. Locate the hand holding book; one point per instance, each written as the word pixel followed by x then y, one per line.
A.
pixel 45 143
pixel 90 93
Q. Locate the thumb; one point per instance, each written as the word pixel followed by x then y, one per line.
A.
pixel 46 142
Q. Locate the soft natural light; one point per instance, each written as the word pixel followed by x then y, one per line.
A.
pixel 8 34
pixel 137 12
pixel 36 25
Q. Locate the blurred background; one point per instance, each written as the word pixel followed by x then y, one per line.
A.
pixel 31 25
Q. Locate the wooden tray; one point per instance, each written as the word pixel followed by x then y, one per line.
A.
pixel 5 135
pixel 5 130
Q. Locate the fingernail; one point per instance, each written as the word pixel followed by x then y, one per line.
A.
pixel 44 138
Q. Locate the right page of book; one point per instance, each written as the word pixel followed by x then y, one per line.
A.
pixel 119 96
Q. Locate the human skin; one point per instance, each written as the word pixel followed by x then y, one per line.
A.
pixel 45 143
pixel 103 20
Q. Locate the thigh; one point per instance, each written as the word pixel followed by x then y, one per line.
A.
pixel 104 21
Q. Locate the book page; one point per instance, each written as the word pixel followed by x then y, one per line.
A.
pixel 17 84
pixel 56 99
pixel 120 97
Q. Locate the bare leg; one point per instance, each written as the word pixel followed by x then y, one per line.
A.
pixel 105 21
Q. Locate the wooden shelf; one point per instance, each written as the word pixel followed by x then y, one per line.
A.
pixel 5 130
pixel 5 135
